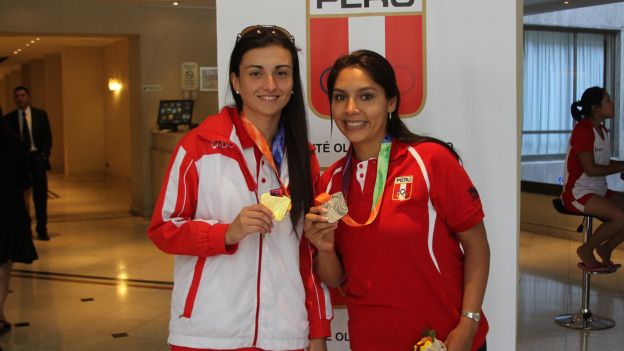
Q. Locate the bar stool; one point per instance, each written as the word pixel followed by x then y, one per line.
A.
pixel 583 319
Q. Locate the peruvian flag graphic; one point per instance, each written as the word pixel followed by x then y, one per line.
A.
pixel 402 189
pixel 396 33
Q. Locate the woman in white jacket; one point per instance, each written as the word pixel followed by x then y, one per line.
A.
pixel 243 276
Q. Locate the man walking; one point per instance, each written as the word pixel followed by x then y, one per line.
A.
pixel 34 129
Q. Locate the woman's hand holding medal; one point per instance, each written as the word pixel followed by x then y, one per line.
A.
pixel 322 220
pixel 318 230
pixel 251 219
pixel 319 226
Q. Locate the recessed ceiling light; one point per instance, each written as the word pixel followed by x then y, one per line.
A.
pixel 175 3
pixel 15 52
pixel 566 2
pixel 32 41
pixel 27 44
pixel 19 50
pixel 38 39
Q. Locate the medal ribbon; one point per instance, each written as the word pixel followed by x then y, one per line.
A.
pixel 383 160
pixel 278 145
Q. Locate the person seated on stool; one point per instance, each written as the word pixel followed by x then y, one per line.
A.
pixel 585 185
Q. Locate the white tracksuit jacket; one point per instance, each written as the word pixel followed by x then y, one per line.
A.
pixel 260 292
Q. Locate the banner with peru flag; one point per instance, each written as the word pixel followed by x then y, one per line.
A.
pixel 392 28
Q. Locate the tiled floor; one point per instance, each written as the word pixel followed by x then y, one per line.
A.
pixel 550 285
pixel 100 277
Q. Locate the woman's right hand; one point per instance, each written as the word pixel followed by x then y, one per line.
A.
pixel 318 231
pixel 251 219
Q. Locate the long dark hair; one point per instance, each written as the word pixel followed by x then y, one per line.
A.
pixel 382 73
pixel 293 116
pixel 583 108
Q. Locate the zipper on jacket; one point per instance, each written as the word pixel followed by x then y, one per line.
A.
pixel 255 339
pixel 259 275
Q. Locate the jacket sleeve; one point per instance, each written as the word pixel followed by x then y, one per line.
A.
pixel 317 300
pixel 453 194
pixel 173 228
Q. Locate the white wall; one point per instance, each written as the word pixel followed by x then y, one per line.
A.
pixel 473 98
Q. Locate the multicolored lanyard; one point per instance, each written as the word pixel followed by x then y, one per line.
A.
pixel 275 155
pixel 383 160
pixel 277 147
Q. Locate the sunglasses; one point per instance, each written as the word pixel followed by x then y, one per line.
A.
pixel 260 29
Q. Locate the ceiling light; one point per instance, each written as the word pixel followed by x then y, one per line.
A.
pixel 15 52
pixel 27 44
pixel 32 41
pixel 19 50
pixel 175 3
pixel 38 39
pixel 566 2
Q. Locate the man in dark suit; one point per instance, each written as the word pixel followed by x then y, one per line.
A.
pixel 34 129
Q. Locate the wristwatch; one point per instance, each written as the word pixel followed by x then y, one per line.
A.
pixel 475 316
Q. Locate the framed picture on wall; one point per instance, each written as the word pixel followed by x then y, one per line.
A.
pixel 208 79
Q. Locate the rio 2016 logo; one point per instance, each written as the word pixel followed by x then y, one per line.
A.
pixel 393 28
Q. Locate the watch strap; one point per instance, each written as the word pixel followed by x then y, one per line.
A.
pixel 475 316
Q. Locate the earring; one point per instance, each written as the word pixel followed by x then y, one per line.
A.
pixel 389 115
pixel 292 92
pixel 237 92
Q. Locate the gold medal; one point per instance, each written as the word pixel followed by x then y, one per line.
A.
pixel 279 205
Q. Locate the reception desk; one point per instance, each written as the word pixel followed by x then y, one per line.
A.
pixel 163 144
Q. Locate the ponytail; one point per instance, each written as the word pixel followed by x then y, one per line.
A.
pixel 591 97
pixel 576 110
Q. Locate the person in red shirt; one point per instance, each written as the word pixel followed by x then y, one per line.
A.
pixel 243 277
pixel 588 162
pixel 412 253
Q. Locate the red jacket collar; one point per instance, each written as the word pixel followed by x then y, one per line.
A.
pixel 219 127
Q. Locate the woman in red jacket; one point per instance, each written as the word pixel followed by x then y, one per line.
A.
pixel 411 253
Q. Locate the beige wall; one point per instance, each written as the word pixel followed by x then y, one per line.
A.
pixel 4 104
pixel 6 100
pixel 117 114
pixel 46 86
pixel 44 77
pixel 25 74
pixel 83 111
pixel 53 89
pixel 12 79
pixel 36 86
pixel 165 37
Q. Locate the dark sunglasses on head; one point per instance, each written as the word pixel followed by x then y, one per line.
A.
pixel 260 29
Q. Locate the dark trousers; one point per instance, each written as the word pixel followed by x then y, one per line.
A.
pixel 38 169
pixel 484 347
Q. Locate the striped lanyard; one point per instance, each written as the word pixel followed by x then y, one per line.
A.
pixel 383 160
pixel 275 155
